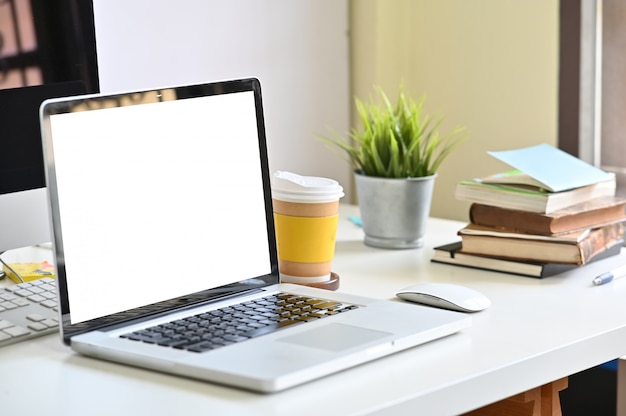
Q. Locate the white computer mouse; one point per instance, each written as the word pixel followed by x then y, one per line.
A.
pixel 445 295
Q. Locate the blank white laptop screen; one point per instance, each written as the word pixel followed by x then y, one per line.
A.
pixel 129 223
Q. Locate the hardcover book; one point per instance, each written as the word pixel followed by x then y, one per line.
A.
pixel 527 198
pixel 545 180
pixel 575 248
pixel 594 213
pixel 453 254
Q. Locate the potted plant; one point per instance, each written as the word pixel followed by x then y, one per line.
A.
pixel 395 156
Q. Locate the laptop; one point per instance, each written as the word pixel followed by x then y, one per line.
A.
pixel 162 219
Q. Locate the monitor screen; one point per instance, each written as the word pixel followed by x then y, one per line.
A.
pixel 47 49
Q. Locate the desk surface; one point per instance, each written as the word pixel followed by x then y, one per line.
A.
pixel 536 331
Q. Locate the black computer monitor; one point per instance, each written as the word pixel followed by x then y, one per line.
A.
pixel 47 49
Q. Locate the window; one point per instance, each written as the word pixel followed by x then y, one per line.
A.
pixel 592 84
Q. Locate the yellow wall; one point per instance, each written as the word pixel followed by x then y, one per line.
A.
pixel 489 65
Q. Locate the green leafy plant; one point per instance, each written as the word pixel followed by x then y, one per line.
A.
pixel 396 141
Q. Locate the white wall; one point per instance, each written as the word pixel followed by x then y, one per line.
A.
pixel 297 48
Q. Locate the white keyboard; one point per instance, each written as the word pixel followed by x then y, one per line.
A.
pixel 28 310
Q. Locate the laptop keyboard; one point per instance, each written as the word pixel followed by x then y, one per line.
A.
pixel 28 310
pixel 218 328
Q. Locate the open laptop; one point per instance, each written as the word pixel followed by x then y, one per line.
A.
pixel 162 216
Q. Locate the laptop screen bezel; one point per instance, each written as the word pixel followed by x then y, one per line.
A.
pixel 86 102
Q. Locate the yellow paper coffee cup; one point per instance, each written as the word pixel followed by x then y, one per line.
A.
pixel 305 216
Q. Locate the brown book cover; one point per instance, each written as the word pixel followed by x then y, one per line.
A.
pixel 576 248
pixel 590 214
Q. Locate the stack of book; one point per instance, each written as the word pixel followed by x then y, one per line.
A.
pixel 553 213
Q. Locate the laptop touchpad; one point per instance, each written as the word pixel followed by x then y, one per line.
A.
pixel 335 337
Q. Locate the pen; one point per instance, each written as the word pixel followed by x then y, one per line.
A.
pixel 610 276
pixel 355 220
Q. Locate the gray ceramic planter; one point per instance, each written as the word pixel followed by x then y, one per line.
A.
pixel 394 212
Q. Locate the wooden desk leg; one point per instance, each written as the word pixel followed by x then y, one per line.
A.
pixel 621 387
pixel 540 401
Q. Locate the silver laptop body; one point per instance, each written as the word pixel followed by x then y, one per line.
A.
pixel 161 209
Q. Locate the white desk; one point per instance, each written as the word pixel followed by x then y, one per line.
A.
pixel 536 331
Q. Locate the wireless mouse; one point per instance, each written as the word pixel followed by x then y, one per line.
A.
pixel 446 296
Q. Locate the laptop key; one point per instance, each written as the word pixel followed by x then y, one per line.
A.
pixel 172 342
pixel 270 328
pixel 137 337
pixel 202 347
pixel 235 338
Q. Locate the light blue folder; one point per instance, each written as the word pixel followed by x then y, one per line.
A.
pixel 554 168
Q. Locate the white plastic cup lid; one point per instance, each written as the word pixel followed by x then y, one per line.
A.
pixel 291 187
